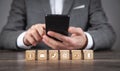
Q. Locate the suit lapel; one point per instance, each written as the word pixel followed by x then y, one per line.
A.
pixel 46 6
pixel 68 4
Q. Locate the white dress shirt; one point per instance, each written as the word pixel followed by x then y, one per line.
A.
pixel 56 8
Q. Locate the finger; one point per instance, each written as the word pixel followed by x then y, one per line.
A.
pixel 73 30
pixel 61 45
pixel 36 35
pixel 67 41
pixel 40 24
pixel 40 29
pixel 26 42
pixel 59 36
pixel 52 43
pixel 44 26
pixel 31 40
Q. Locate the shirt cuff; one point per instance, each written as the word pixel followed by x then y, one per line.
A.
pixel 20 42
pixel 90 41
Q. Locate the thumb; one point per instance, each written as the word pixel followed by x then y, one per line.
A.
pixel 75 30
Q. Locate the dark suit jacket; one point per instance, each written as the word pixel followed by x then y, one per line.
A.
pixel 25 13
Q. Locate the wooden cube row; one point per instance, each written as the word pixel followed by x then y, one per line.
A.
pixel 59 55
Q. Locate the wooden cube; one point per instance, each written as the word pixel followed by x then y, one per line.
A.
pixel 53 54
pixel 30 55
pixel 76 54
pixel 88 54
pixel 42 55
pixel 64 55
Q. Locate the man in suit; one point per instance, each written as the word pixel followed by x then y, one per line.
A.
pixel 89 27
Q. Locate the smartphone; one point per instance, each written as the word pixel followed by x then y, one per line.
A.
pixel 57 23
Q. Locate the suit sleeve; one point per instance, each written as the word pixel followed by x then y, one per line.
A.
pixel 100 30
pixel 15 25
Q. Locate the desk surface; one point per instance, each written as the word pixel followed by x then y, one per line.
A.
pixel 104 61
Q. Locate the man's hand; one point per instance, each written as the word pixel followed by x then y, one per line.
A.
pixel 34 35
pixel 77 40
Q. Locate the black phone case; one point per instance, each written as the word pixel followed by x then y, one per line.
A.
pixel 57 23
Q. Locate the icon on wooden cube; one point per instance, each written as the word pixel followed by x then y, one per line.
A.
pixel 42 55
pixel 64 54
pixel 88 54
pixel 76 54
pixel 30 55
pixel 53 54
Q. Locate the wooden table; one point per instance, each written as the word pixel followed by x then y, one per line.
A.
pixel 104 61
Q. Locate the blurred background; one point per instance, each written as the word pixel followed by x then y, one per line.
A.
pixel 111 7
